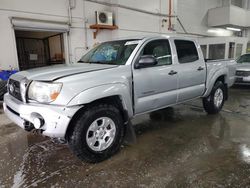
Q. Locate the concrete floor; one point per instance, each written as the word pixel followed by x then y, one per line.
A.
pixel 185 149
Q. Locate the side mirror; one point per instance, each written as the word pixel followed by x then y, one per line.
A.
pixel 146 61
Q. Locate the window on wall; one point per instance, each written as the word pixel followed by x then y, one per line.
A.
pixel 186 51
pixel 225 3
pixel 238 3
pixel 217 51
pixel 248 4
pixel 204 51
pixel 248 48
pixel 231 50
pixel 238 50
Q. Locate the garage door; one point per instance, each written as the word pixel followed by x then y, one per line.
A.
pixel 39 25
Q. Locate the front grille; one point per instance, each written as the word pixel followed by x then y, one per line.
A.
pixel 243 73
pixel 238 80
pixel 14 89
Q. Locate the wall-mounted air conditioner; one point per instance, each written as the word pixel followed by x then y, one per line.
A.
pixel 104 18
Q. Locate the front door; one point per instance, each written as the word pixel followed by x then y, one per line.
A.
pixel 156 86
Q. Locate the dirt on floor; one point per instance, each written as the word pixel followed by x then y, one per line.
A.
pixel 183 147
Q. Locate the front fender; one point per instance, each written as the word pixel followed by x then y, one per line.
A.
pixel 102 91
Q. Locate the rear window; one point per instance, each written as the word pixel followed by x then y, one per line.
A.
pixel 186 51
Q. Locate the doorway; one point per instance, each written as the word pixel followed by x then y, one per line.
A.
pixel 39 48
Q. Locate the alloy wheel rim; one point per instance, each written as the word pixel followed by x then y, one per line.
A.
pixel 218 97
pixel 101 134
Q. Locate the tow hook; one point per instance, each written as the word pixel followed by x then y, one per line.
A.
pixel 28 126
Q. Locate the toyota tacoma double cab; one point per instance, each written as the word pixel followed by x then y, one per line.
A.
pixel 90 103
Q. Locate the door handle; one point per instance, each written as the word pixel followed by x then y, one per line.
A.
pixel 200 69
pixel 172 72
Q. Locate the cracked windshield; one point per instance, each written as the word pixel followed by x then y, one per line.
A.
pixel 114 53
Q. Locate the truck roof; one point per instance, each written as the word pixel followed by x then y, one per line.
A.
pixel 148 37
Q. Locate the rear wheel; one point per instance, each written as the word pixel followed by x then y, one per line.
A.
pixel 215 101
pixel 98 133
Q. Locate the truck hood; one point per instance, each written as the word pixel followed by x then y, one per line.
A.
pixel 243 67
pixel 55 72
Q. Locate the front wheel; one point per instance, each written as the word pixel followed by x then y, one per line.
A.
pixel 215 101
pixel 98 133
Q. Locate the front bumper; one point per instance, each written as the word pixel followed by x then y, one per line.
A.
pixel 242 80
pixel 56 118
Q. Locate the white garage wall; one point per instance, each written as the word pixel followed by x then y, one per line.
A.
pixel 7 44
pixel 56 10
pixel 131 22
pixel 192 14
pixel 152 6
pixel 36 6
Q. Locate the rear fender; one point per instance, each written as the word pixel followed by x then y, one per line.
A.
pixel 211 80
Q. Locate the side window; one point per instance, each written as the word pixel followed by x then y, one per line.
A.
pixel 160 49
pixel 186 51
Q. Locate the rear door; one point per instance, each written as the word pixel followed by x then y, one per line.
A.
pixel 154 87
pixel 191 70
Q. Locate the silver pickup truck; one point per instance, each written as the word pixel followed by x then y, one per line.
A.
pixel 243 70
pixel 91 103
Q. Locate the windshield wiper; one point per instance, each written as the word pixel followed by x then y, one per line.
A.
pixel 102 62
pixel 81 61
pixel 90 62
pixel 97 62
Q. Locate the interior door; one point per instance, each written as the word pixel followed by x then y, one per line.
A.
pixel 156 86
pixel 191 70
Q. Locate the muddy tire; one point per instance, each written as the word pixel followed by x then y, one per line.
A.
pixel 215 101
pixel 98 133
pixel 3 89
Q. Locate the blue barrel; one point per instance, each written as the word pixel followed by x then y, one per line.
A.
pixel 5 74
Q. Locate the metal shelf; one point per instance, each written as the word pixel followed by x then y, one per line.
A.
pixel 99 27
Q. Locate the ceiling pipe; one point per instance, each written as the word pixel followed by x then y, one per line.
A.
pixel 178 19
pixel 169 13
pixel 69 13
pixel 70 7
pixel 85 26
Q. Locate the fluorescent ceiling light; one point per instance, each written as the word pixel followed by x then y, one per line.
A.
pixel 219 32
pixel 233 29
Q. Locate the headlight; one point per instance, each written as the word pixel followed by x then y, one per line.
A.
pixel 44 92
